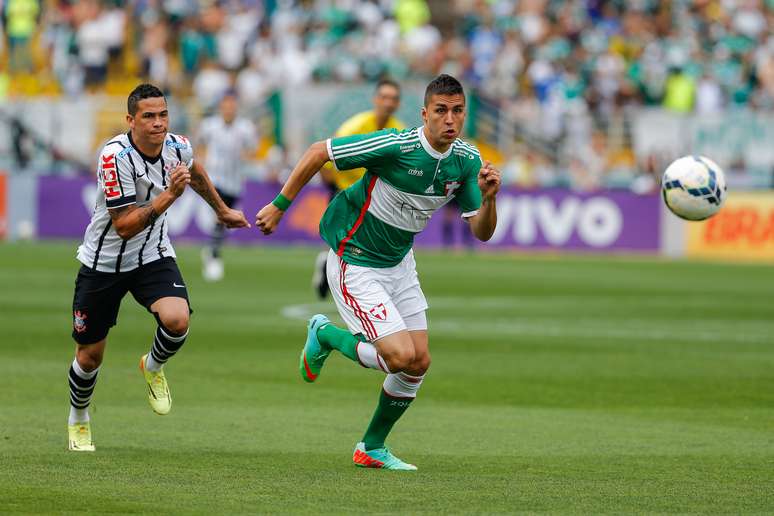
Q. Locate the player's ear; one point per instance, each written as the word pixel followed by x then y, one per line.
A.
pixel 424 114
pixel 130 121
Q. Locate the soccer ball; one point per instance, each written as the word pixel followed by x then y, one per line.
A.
pixel 693 187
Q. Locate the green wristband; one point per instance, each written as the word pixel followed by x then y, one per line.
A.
pixel 281 202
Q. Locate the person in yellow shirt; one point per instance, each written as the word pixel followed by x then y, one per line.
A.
pixel 20 18
pixel 386 101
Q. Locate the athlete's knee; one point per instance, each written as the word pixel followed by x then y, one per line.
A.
pixel 399 359
pixel 89 356
pixel 175 322
pixel 420 365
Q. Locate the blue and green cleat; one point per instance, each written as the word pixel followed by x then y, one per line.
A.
pixel 314 353
pixel 381 458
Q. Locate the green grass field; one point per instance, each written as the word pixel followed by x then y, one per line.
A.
pixel 580 385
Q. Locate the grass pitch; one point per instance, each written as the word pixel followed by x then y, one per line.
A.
pixel 580 385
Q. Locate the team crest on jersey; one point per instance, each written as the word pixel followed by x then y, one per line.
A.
pixel 79 321
pixel 379 312
pixel 170 166
pixel 109 176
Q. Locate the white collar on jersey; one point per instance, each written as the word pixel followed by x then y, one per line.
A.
pixel 429 148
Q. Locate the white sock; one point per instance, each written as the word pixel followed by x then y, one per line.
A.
pixel 151 364
pixel 83 374
pixel 402 385
pixel 369 357
pixel 78 415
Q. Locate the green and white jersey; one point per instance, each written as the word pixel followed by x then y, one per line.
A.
pixel 373 222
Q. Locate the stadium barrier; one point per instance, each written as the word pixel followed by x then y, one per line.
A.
pixel 528 220
pixel 742 230
pixel 533 220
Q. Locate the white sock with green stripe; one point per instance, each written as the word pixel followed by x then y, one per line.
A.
pixel 369 357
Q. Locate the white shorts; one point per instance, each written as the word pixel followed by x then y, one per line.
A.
pixel 377 302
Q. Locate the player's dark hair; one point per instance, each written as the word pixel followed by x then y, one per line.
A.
pixel 387 82
pixel 443 85
pixel 143 91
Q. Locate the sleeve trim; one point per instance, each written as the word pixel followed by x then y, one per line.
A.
pixel 121 201
pixel 328 146
pixel 468 214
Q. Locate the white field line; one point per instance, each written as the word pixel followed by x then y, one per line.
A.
pixel 626 328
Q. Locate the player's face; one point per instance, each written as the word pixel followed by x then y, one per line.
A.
pixel 443 117
pixel 228 109
pixel 386 100
pixel 151 121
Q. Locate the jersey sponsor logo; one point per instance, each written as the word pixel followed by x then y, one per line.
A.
pixel 409 148
pixel 79 321
pixel 416 172
pixel 176 145
pixel 110 177
pixel 450 187
pixel 124 152
pixel 379 312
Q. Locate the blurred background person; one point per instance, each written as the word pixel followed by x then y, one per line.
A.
pixel 20 20
pixel 225 142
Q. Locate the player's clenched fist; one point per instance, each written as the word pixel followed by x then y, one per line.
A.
pixel 178 179
pixel 488 180
pixel 233 219
pixel 268 218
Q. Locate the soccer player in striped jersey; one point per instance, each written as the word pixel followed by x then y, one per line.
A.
pixel 225 141
pixel 386 101
pixel 370 229
pixel 126 248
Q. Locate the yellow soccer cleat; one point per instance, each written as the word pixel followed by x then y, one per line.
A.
pixel 158 390
pixel 80 437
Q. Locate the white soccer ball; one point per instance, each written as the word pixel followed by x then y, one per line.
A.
pixel 694 187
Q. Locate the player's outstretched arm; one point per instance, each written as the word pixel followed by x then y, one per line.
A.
pixel 130 220
pixel 483 224
pixel 200 182
pixel 313 159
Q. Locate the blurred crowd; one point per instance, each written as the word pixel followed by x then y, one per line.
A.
pixel 684 54
pixel 556 58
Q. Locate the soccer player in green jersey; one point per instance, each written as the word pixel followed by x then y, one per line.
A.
pixel 370 228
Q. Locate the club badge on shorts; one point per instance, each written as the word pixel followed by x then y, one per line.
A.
pixel 379 312
pixel 79 321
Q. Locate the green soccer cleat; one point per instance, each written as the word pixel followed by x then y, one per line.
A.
pixel 158 390
pixel 314 353
pixel 79 437
pixel 381 458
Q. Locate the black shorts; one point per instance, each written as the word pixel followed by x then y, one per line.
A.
pixel 98 295
pixel 228 199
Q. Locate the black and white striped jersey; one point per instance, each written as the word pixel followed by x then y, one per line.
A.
pixel 226 145
pixel 126 176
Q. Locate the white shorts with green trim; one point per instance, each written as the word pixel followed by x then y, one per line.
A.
pixel 377 302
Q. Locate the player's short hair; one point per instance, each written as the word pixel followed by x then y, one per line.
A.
pixel 143 91
pixel 443 85
pixel 387 82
